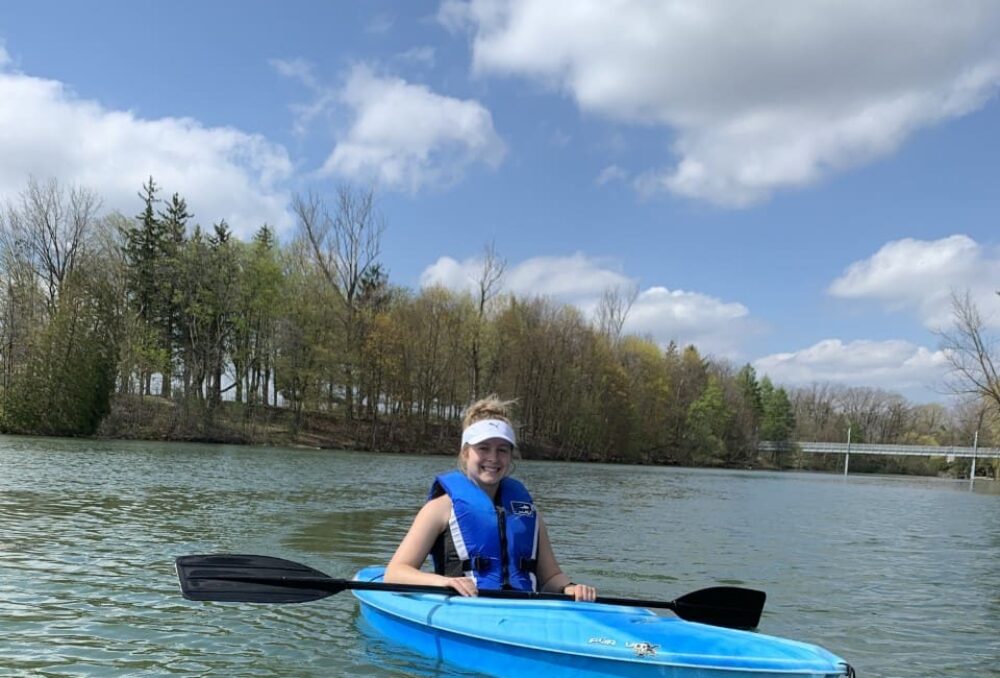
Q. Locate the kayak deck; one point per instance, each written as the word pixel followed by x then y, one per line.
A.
pixel 515 637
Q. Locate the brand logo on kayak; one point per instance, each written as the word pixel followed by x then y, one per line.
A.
pixel 602 641
pixel 643 649
pixel 522 508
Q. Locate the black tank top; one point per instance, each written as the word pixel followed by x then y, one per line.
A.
pixel 443 552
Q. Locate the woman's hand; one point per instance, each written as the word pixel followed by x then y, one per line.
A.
pixel 466 586
pixel 581 592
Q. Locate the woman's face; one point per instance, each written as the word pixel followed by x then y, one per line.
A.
pixel 487 462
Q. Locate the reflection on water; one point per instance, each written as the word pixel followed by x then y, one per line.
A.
pixel 352 535
pixel 899 575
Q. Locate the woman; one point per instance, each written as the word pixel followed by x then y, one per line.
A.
pixel 479 525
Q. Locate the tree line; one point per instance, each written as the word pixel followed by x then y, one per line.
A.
pixel 100 311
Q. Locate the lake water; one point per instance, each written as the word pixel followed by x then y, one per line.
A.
pixel 899 576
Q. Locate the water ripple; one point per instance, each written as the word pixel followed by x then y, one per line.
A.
pixel 900 576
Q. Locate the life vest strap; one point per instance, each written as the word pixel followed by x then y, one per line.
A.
pixel 481 563
pixel 476 564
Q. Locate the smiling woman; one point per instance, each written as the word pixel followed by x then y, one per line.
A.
pixel 479 525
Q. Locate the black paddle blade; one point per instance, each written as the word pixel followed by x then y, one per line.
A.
pixel 252 579
pixel 729 606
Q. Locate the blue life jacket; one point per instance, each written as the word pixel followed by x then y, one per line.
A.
pixel 497 542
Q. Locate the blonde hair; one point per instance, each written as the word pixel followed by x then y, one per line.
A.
pixel 490 407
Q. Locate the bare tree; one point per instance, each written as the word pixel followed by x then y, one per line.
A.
pixel 346 247
pixel 48 231
pixel 487 288
pixel 613 309
pixel 971 353
pixel 42 238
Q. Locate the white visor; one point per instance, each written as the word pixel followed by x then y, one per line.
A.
pixel 486 429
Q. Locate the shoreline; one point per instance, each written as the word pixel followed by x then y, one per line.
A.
pixel 153 419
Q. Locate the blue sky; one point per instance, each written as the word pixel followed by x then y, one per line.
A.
pixel 797 185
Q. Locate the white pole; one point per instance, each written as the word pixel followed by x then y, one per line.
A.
pixel 847 457
pixel 975 448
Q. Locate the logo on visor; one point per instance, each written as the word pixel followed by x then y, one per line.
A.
pixel 522 508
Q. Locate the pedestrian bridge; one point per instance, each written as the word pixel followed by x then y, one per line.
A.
pixel 847 449
pixel 887 450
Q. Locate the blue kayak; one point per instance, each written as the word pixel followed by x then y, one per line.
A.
pixel 503 637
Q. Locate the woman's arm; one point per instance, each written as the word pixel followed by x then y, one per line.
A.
pixel 404 568
pixel 549 574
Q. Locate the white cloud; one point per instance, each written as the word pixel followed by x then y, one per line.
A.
pixel 223 173
pixel 5 59
pixel 895 365
pixel 452 274
pixel 418 55
pixel 573 279
pixel 324 98
pixel 714 326
pixel 297 69
pixel 407 137
pixel 757 96
pixel 611 173
pixel 922 274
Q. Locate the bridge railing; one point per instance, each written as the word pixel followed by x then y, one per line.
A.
pixel 888 450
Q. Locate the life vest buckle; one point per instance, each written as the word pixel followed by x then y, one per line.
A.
pixel 476 564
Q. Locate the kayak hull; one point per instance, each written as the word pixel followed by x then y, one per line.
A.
pixel 562 638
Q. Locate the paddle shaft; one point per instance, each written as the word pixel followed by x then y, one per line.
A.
pixel 265 579
pixel 338 585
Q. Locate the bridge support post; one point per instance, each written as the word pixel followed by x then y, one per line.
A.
pixel 847 456
pixel 975 448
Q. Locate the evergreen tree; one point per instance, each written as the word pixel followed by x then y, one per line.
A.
pixel 142 249
pixel 778 419
pixel 746 379
pixel 223 279
pixel 144 246
pixel 173 225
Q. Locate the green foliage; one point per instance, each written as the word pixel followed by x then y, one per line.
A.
pixel 144 245
pixel 777 420
pixel 305 354
pixel 750 389
pixel 649 396
pixel 777 417
pixel 64 385
pixel 317 322
pixel 706 422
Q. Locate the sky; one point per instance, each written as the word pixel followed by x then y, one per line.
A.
pixel 796 185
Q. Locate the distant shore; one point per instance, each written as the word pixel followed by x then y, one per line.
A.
pixel 155 418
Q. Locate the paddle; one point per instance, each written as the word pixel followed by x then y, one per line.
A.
pixel 263 579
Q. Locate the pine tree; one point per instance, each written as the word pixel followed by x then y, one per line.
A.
pixel 746 379
pixel 778 419
pixel 143 249
pixel 173 223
